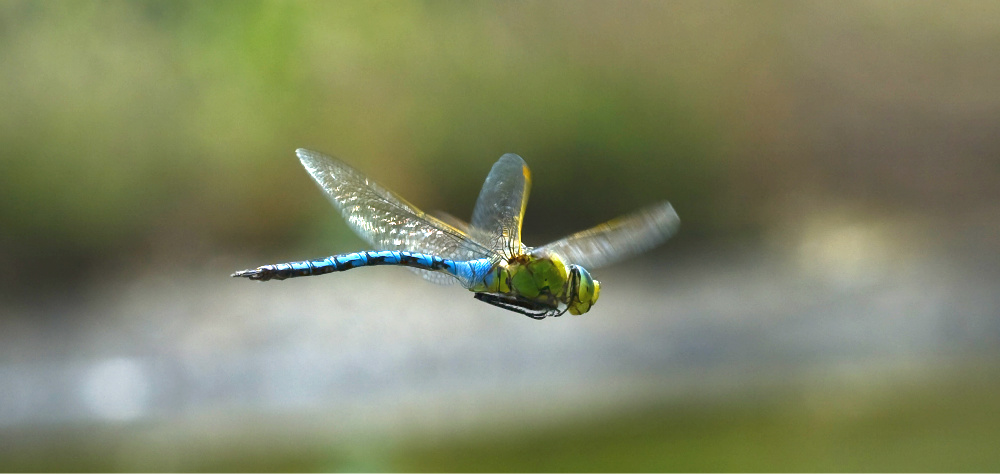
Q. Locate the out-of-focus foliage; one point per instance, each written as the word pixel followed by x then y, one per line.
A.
pixel 124 122
pixel 127 121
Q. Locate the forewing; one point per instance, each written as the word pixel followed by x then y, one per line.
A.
pixel 496 220
pixel 383 218
pixel 619 238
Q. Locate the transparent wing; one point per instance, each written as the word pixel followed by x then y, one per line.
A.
pixel 459 224
pixel 496 220
pixel 437 278
pixel 386 220
pixel 619 238
pixel 452 221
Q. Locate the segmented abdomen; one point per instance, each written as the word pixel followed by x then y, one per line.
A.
pixel 340 263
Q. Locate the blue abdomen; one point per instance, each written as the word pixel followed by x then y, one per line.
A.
pixel 339 263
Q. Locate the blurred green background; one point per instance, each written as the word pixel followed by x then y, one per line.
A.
pixel 829 304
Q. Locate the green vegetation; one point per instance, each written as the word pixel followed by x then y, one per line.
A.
pixel 132 126
pixel 940 428
pixel 166 129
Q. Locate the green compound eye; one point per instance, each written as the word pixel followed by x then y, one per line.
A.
pixel 583 290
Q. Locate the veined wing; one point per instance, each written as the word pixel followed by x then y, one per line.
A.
pixel 618 238
pixel 496 220
pixel 452 221
pixel 458 224
pixel 383 218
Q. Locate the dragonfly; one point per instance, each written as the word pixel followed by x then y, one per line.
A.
pixel 485 255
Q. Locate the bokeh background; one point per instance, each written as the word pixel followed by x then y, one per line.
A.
pixel 831 302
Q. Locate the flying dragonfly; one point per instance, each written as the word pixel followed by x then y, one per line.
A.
pixel 485 255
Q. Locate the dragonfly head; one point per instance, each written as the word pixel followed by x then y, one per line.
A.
pixel 582 290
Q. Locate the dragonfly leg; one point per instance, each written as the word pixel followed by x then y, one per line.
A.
pixel 528 308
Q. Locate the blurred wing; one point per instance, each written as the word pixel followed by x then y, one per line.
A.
pixel 452 221
pixel 384 219
pixel 496 220
pixel 619 238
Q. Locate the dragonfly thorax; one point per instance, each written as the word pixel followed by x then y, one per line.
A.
pixel 544 279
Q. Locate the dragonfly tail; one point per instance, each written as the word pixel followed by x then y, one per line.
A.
pixel 340 263
pixel 281 271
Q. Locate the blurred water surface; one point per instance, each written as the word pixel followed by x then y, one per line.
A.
pixel 829 303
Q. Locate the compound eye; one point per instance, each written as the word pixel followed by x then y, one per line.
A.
pixel 573 282
pixel 581 292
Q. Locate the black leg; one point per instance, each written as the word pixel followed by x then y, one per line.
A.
pixel 528 308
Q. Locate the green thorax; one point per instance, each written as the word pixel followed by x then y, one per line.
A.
pixel 544 279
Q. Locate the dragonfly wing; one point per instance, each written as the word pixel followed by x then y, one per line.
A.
pixel 496 220
pixel 437 278
pixel 619 238
pixel 468 254
pixel 452 221
pixel 383 218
